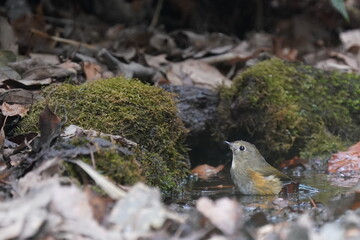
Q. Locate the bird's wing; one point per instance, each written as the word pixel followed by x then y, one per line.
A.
pixel 264 185
pixel 268 170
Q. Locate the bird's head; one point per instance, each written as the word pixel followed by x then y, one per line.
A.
pixel 243 150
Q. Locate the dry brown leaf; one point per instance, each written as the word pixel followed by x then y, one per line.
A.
pixel 345 161
pixel 50 127
pixel 92 71
pixel 294 162
pixel 13 109
pixel 205 171
pixel 19 96
pixel 44 72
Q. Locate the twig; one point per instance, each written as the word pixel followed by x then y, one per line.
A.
pixel 232 57
pixel 62 40
pixel 312 202
pixel 92 157
pixel 155 18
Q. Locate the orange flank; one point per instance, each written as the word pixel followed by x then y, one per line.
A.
pixel 265 185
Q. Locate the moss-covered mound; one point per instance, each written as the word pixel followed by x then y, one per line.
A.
pixel 139 112
pixel 107 157
pixel 288 109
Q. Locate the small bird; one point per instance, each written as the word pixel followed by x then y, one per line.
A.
pixel 251 173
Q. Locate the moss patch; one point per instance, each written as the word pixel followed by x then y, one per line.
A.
pixel 287 108
pixel 108 158
pixel 139 112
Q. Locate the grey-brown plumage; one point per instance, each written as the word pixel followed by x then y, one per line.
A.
pixel 251 173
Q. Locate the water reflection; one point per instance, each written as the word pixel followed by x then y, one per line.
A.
pixel 276 208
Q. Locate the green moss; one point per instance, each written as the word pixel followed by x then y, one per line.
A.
pixel 121 166
pixel 320 147
pixel 122 169
pixel 142 113
pixel 283 107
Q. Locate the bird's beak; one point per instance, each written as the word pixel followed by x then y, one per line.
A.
pixel 228 143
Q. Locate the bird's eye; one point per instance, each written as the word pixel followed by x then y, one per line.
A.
pixel 242 148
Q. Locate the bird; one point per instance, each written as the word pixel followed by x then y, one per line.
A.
pixel 250 172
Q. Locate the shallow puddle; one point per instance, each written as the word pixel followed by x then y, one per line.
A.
pixel 333 190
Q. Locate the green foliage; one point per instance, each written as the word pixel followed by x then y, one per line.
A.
pixel 339 5
pixel 286 109
pixel 139 112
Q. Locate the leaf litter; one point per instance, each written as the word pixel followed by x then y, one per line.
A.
pixel 38 202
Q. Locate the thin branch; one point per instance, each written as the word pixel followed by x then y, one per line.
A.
pixel 62 40
pixel 155 18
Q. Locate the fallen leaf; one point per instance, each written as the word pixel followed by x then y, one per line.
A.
pixel 13 109
pixel 350 39
pixel 345 161
pixel 44 72
pixel 294 162
pixel 73 130
pixel 92 71
pixel 205 171
pixel 196 73
pixel 26 83
pixel 111 189
pixel 140 211
pixel 50 127
pixel 56 210
pixel 19 96
pixel 73 66
pixel 224 213
pixel 332 64
pixel 156 61
pixel 8 73
pixel 350 61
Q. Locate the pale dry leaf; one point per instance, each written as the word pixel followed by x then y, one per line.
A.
pixel 8 73
pixel 111 189
pixel 72 66
pixel 47 58
pixel 332 64
pixel 92 71
pixel 156 61
pixel 140 211
pixel 196 73
pixel 28 82
pixel 350 39
pixel 224 213
pixel 350 61
pixel 55 210
pixel 13 109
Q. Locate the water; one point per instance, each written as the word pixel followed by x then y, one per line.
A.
pixel 333 191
